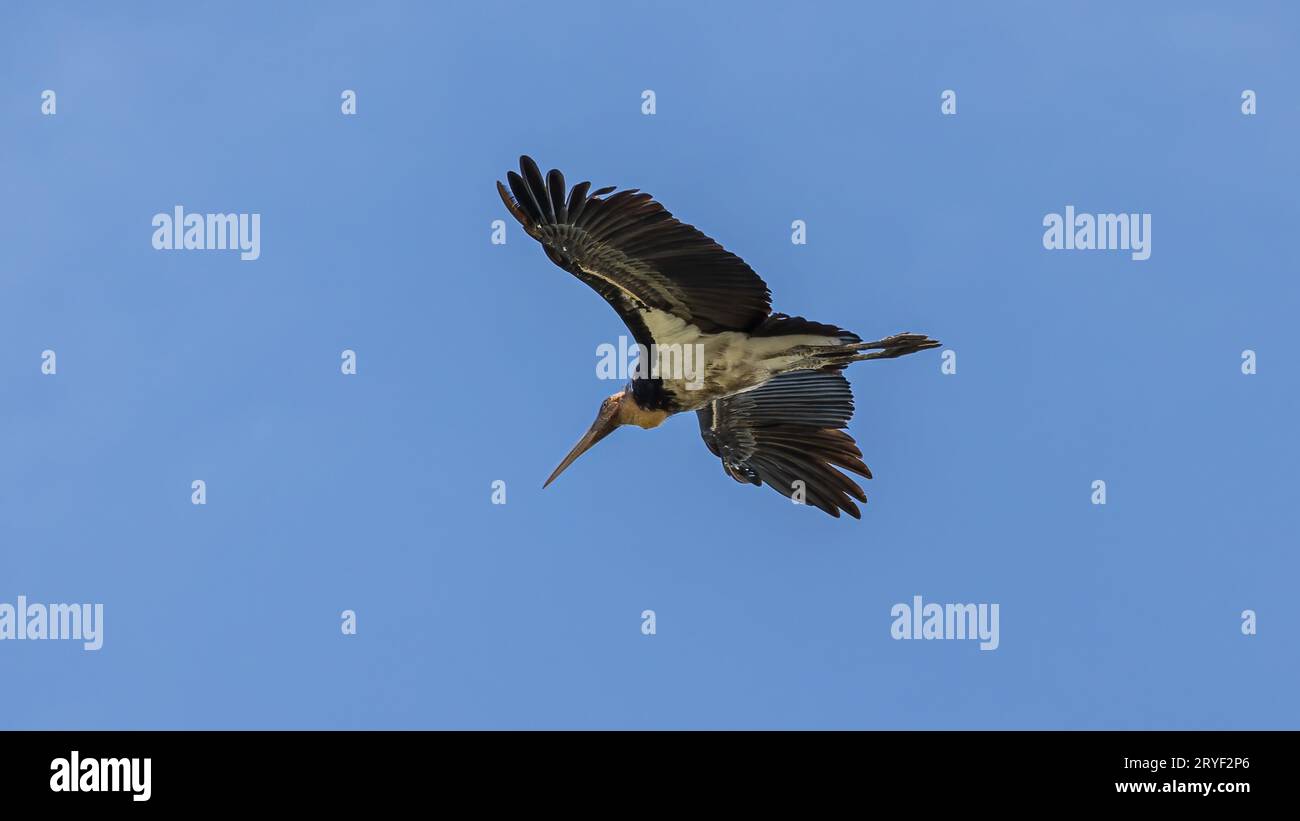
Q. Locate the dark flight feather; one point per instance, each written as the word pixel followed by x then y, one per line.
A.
pixel 636 254
pixel 788 430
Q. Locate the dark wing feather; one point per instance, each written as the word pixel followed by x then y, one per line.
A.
pixel 636 254
pixel 790 429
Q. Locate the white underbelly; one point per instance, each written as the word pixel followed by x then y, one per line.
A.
pixel 723 364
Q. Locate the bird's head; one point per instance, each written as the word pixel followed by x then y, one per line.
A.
pixel 614 411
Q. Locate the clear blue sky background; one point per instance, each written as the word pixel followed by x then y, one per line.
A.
pixel 477 363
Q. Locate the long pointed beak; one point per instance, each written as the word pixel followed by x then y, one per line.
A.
pixel 604 425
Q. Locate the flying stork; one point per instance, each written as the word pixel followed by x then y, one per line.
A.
pixel 773 402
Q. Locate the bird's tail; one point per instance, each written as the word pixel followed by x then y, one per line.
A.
pixel 891 347
pixel 839 356
pixel 848 347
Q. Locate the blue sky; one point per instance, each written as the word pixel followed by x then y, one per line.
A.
pixel 476 363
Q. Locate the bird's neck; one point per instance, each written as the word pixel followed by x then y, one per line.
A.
pixel 630 413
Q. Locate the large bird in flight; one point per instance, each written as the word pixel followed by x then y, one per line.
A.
pixel 771 397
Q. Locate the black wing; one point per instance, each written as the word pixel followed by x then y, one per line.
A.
pixel 790 430
pixel 635 254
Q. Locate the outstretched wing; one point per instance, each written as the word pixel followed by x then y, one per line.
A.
pixel 636 255
pixel 790 430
